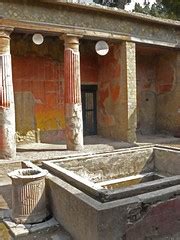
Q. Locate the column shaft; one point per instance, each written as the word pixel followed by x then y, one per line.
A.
pixel 72 89
pixel 7 111
pixel 128 63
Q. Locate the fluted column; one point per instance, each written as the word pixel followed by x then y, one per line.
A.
pixel 72 89
pixel 7 112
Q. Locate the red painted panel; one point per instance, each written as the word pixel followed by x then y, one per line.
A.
pixel 109 68
pixel 42 77
pixel 165 76
pixel 89 69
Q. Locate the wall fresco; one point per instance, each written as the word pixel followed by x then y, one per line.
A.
pixel 109 91
pixel 38 86
pixel 158 90
pixel 38 76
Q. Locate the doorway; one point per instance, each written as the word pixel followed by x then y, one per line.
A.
pixel 89 109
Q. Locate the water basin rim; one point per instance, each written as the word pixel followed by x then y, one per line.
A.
pixel 18 173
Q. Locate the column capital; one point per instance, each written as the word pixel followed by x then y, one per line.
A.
pixel 5 33
pixel 71 41
pixel 6 30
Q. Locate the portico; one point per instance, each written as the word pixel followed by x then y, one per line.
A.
pixel 47 79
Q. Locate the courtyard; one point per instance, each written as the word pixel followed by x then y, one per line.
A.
pixel 105 127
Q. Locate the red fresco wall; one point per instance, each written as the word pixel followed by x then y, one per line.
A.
pixel 165 76
pixel 89 70
pixel 39 78
pixel 38 73
pixel 109 90
pixel 154 71
pixel 43 78
pixel 89 63
pixel 155 78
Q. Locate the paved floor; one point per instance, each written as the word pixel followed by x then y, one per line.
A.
pixel 93 144
pixel 57 233
pixel 44 151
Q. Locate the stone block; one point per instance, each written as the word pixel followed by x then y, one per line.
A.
pixel 44 225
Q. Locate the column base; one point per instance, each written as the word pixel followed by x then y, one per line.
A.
pixel 7 134
pixel 74 126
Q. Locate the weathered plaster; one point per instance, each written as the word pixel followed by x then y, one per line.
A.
pixel 74 126
pixel 89 62
pixel 128 62
pixel 109 93
pixel 168 98
pixel 117 93
pixel 120 219
pixel 86 18
pixel 158 90
pixel 38 86
pixel 146 92
pixel 97 169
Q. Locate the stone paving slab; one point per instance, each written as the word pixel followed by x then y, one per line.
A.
pixel 56 233
pixel 18 230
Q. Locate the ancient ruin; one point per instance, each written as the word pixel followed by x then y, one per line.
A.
pixel 106 127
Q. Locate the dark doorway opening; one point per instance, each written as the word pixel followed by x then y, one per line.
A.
pixel 89 109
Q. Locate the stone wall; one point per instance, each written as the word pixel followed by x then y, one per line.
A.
pixel 129 90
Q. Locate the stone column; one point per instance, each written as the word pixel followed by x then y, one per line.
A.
pixel 72 89
pixel 128 75
pixel 7 111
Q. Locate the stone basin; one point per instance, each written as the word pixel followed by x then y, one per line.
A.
pixel 119 174
pixel 125 194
